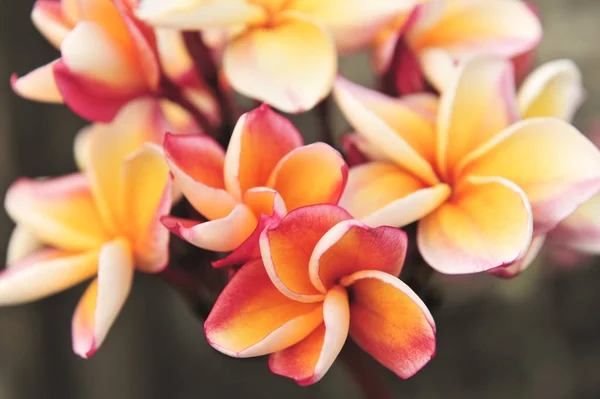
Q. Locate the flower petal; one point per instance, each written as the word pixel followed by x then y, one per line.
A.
pixel 104 298
pixel 487 223
pixel 524 262
pixel 221 235
pixel 261 138
pixel 290 64
pixel 390 125
pixel 59 211
pixel 381 193
pixel 48 18
pixel 358 150
pixel 390 322
pixel 310 175
pixel 352 246
pixel 252 318
pixel 45 273
pixel 562 172
pixel 146 197
pixel 581 229
pixel 308 360
pixel 464 124
pixel 196 162
pixel 22 242
pixel 286 248
pixel 554 89
pixel 38 85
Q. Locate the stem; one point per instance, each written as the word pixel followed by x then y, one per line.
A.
pixel 324 119
pixel 192 288
pixel 367 377
pixel 171 92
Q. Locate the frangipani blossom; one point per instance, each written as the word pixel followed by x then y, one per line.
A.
pixel 108 58
pixel 280 52
pixel 103 223
pixel 322 277
pixel 479 181
pixel 266 172
pixel 435 36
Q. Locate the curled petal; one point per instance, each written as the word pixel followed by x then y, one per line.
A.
pixel 352 246
pixel 59 211
pixel 581 229
pixel 290 64
pixel 487 223
pixel 381 193
pixel 310 175
pixel 196 162
pixel 465 124
pixel 252 318
pixel 309 360
pixel 390 125
pixel 22 243
pixel 524 262
pixel 562 172
pixel 390 322
pixel 104 298
pixel 554 89
pixel 221 235
pixel 38 85
pixel 45 273
pixel 261 138
pixel 286 248
pixel 47 16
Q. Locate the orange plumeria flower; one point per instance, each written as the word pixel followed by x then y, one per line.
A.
pixel 324 276
pixel 479 181
pixel 280 52
pixel 437 34
pixel 102 222
pixel 266 172
pixel 108 58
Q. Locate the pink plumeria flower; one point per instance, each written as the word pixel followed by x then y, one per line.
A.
pixel 102 223
pixel 322 277
pixel 479 181
pixel 280 52
pixel 265 173
pixel 428 42
pixel 108 58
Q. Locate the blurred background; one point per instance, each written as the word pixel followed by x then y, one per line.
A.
pixel 537 336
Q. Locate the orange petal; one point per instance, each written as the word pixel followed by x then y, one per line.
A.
pixel 102 301
pixel 196 162
pixel 261 138
pixel 400 131
pixel 59 211
pixel 45 273
pixel 265 201
pixel 221 235
pixel 390 322
pixel 48 18
pixel 309 175
pixel 146 196
pixel 381 193
pixel 286 248
pixel 581 229
pixel 290 64
pixel 252 318
pixel 562 172
pixel 487 223
pixel 465 124
pixel 38 85
pixel 22 242
pixel 554 89
pixel 352 246
pixel 309 360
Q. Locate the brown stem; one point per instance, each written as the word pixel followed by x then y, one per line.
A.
pixel 367 377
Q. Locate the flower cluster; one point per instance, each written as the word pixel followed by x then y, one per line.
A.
pixel 461 139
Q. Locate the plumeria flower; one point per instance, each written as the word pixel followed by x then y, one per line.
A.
pixel 323 276
pixel 429 41
pixel 280 52
pixel 479 181
pixel 266 172
pixel 102 223
pixel 108 58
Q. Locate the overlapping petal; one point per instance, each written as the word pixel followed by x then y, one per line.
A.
pixel 22 243
pixel 487 223
pixel 38 85
pixel 581 229
pixel 252 318
pixel 390 322
pixel 48 18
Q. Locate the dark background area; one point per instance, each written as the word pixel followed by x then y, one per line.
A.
pixel 537 336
